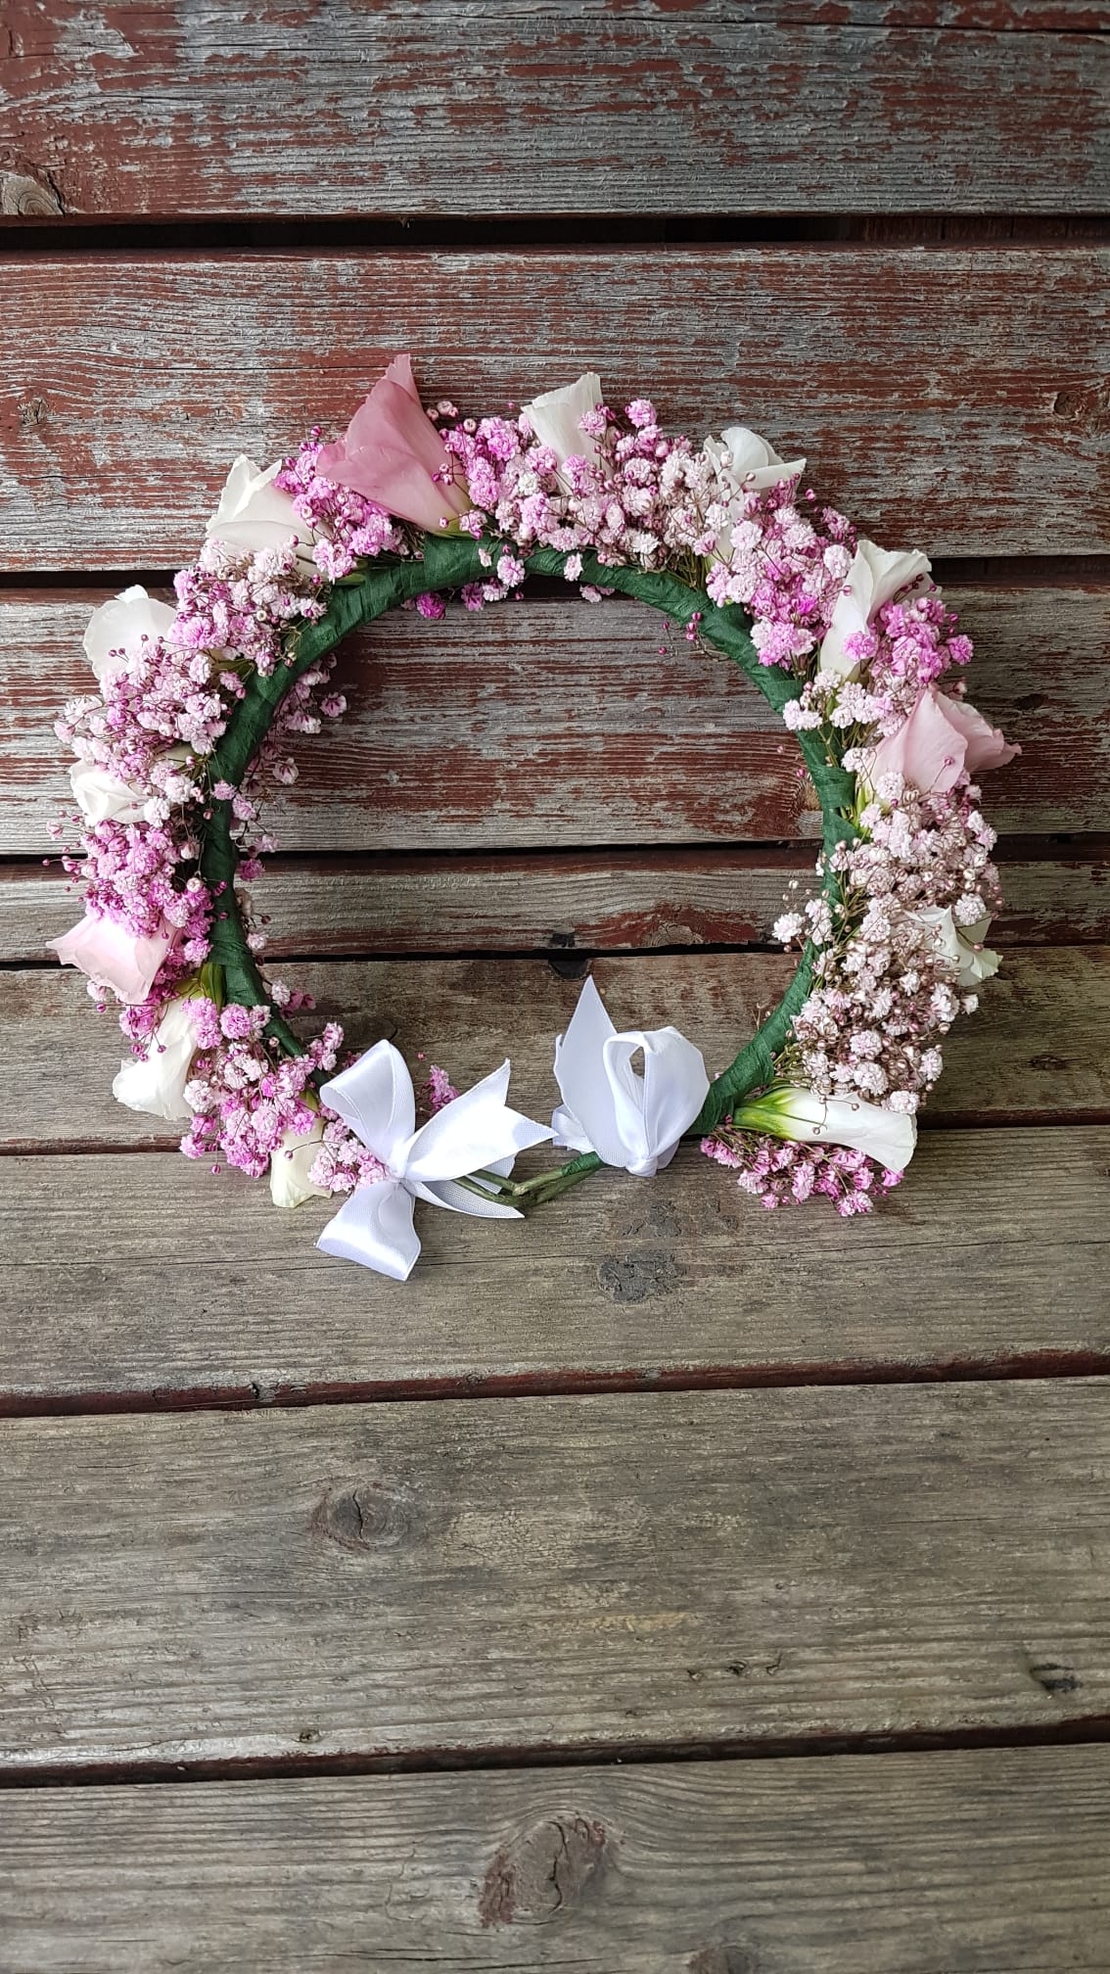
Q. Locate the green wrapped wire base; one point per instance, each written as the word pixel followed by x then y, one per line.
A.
pixel 449 561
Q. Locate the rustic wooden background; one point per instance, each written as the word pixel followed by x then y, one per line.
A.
pixel 439 1627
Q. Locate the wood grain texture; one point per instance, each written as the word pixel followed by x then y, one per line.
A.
pixel 561 903
pixel 553 721
pixel 560 1574
pixel 127 109
pixel 987 1861
pixel 983 430
pixel 142 1280
pixel 1038 1049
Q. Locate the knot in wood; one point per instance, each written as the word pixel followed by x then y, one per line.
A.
pixel 361 1515
pixel 722 1960
pixel 27 196
pixel 543 1871
pixel 639 1276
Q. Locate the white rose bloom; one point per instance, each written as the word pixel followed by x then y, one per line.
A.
pixel 788 1111
pixel 101 798
pixel 962 944
pixel 156 1085
pixel 748 462
pixel 875 577
pixel 253 514
pixel 118 630
pixel 291 1164
pixel 555 416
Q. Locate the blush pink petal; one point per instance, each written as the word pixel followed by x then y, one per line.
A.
pixel 941 739
pixel 987 746
pixel 113 957
pixel 392 453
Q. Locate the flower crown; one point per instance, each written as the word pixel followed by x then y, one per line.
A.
pixel 198 705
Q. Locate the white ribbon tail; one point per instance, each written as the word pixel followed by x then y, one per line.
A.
pixel 586 1120
pixel 374 1227
pixel 459 1199
pixel 474 1133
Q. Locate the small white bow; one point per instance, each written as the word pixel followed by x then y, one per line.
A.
pixel 475 1132
pixel 629 1120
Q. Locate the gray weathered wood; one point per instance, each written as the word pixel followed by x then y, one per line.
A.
pixel 557 1574
pixel 183 109
pixel 557 722
pixel 131 383
pixel 988 1861
pixel 555 902
pixel 1038 1048
pixel 129 1279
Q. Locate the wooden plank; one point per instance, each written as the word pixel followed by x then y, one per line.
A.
pixel 717 1569
pixel 986 1861
pixel 131 381
pixel 553 721
pixel 119 111
pixel 559 903
pixel 141 1280
pixel 1038 1049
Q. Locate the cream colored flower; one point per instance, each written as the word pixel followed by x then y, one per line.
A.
pixel 156 1083
pixel 962 945
pixel 555 417
pixel 748 464
pixel 118 630
pixel 875 577
pixel 787 1110
pixel 253 514
pixel 291 1164
pixel 101 798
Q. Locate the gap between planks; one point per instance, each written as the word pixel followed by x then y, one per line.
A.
pixel 568 906
pixel 616 233
pixel 1082 1731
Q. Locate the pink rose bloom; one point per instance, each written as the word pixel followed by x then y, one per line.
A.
pixel 392 453
pixel 942 739
pixel 113 957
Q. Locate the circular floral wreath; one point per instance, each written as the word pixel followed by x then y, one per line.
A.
pixel 198 705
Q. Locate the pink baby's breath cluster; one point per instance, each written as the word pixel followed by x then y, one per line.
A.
pixel 781 1173
pixel 885 991
pixel 245 1099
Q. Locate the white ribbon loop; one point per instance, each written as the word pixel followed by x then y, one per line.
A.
pixel 629 1120
pixel 476 1131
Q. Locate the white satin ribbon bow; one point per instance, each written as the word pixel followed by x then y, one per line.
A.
pixel 627 1119
pixel 475 1132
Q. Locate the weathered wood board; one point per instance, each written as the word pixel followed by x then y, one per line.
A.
pixel 176 110
pixel 562 903
pixel 130 379
pixel 565 1574
pixel 1038 1049
pixel 987 1861
pixel 553 721
pixel 142 1280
